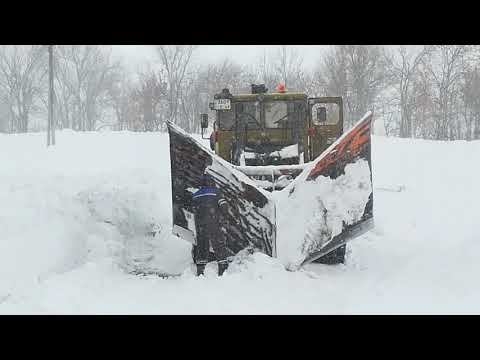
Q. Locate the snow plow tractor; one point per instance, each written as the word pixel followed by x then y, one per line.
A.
pixel 297 186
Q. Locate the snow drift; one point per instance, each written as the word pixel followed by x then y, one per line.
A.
pixel 75 216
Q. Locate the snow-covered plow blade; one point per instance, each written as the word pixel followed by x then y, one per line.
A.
pixel 251 217
pixel 341 186
pixel 328 204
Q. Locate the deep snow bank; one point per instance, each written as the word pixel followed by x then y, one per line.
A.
pixel 92 196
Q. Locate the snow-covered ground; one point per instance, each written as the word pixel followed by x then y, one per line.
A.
pixel 74 219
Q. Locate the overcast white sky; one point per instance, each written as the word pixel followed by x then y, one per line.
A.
pixel 136 55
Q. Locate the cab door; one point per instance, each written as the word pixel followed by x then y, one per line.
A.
pixel 325 123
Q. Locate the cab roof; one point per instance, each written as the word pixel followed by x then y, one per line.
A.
pixel 270 96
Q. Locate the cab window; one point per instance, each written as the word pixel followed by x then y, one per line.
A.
pixel 248 114
pixel 325 114
pixel 225 119
pixel 283 114
pixel 275 113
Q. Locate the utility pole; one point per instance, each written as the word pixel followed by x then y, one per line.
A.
pixel 51 123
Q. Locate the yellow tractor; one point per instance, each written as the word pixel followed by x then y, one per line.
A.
pixel 281 128
pixel 260 129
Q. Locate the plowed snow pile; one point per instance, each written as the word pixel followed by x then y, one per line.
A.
pixel 75 218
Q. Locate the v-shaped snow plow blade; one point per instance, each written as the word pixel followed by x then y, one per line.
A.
pixel 327 205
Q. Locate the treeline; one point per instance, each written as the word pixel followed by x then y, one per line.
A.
pixel 430 92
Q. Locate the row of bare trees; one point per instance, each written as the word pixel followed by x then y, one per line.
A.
pixel 84 78
pixel 430 92
pixel 22 72
pixel 436 92
pixel 161 92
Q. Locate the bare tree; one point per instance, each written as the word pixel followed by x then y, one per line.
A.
pixel 85 74
pixel 226 74
pixel 470 96
pixel 150 92
pixel 402 66
pixel 22 70
pixel 64 91
pixel 120 100
pixel 332 72
pixel 175 59
pixel 471 103
pixel 203 82
pixel 4 116
pixel 355 72
pixel 263 72
pixel 197 94
pixel 445 72
pixel 367 75
pixel 287 65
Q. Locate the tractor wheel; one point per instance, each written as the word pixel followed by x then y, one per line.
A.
pixel 337 256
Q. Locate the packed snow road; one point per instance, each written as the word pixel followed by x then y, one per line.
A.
pixel 75 218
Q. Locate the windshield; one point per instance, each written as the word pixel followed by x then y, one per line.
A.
pixel 276 113
pixel 248 114
pixel 283 114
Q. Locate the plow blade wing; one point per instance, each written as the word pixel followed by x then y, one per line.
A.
pixel 334 198
pixel 251 218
